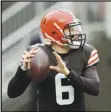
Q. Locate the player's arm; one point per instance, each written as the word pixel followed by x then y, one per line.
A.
pixel 18 83
pixel 21 80
pixel 89 82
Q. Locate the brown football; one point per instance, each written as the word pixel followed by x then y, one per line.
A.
pixel 39 65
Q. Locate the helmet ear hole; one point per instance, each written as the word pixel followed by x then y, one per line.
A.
pixel 54 33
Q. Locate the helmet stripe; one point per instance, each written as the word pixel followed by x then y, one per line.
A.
pixel 57 26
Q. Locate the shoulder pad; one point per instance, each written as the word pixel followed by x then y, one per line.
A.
pixel 88 48
pixel 35 46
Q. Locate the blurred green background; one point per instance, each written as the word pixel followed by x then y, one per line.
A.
pixel 20 28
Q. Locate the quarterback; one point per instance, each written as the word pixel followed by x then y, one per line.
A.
pixel 72 73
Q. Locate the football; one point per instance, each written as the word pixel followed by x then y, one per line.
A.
pixel 39 65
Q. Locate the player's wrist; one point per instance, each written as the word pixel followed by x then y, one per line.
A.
pixel 23 68
pixel 66 72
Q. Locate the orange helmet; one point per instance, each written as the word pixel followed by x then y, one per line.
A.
pixel 62 27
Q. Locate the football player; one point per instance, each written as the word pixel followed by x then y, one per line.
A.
pixel 72 73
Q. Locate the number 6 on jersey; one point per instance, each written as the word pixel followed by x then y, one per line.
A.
pixel 61 89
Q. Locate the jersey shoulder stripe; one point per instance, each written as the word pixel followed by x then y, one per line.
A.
pixel 91 55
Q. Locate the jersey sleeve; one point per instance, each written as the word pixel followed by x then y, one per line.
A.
pixel 92 56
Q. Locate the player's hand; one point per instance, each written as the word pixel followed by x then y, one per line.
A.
pixel 26 59
pixel 61 67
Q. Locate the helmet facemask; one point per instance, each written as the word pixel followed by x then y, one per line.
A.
pixel 74 35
